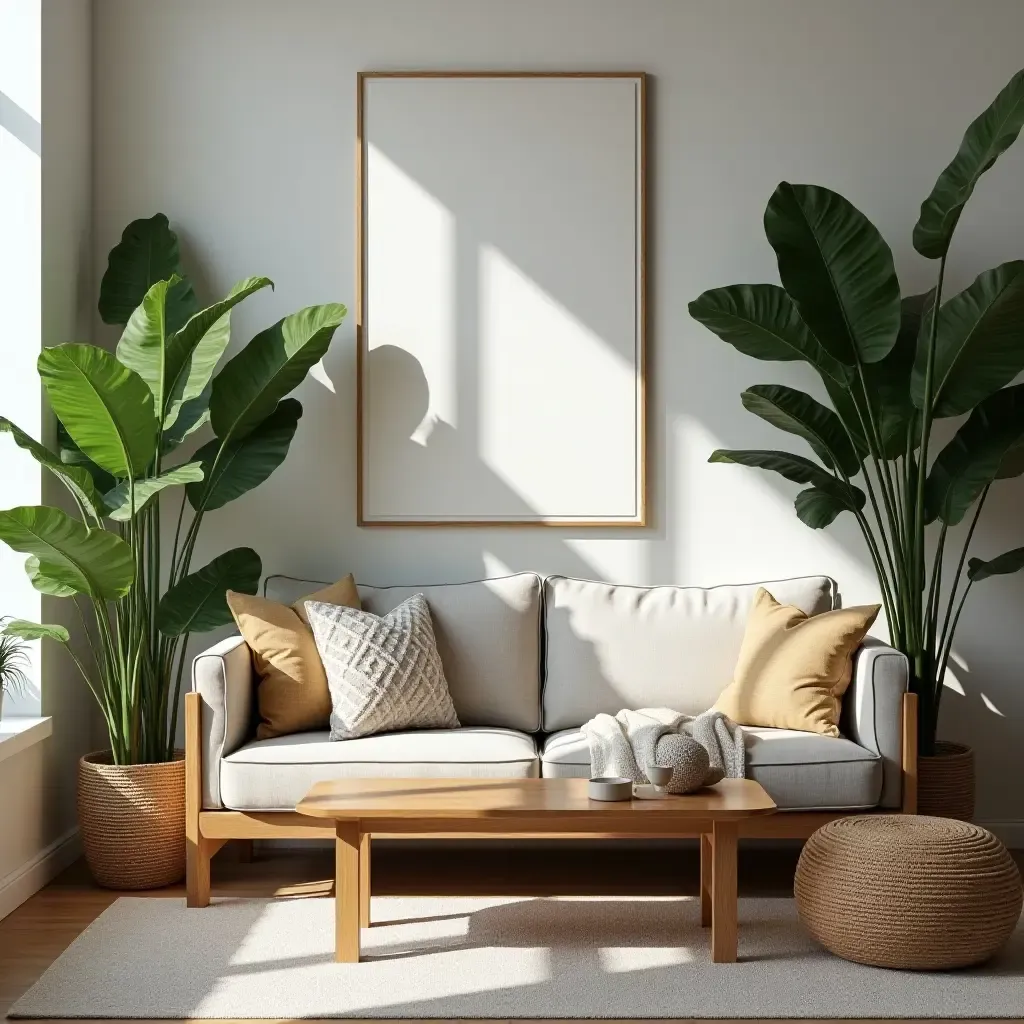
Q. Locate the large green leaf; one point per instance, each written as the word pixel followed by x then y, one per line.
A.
pixel 246 463
pixel 192 415
pixel 975 456
pixel 143 344
pixel 1013 462
pixel 35 631
pixel 762 321
pixel 249 387
pixel 120 500
pixel 197 603
pixel 792 467
pixel 69 554
pixel 72 455
pixel 147 253
pixel 810 507
pixel 106 407
pixel 797 413
pixel 979 342
pixel 194 351
pixel 77 480
pixel 988 136
pixel 817 508
pixel 838 270
pixel 886 386
pixel 1009 561
pixel 45 583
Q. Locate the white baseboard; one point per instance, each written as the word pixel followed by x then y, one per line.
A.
pixel 1009 830
pixel 23 882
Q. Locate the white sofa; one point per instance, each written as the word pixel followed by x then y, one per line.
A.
pixel 528 661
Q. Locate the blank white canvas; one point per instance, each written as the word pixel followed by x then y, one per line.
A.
pixel 502 349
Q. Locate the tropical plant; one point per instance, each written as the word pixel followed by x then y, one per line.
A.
pixel 892 367
pixel 13 663
pixel 124 421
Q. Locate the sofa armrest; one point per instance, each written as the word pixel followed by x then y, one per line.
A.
pixel 873 711
pixel 222 676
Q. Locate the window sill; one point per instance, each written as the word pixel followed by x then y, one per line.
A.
pixel 20 733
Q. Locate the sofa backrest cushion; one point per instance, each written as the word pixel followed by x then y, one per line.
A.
pixel 611 647
pixel 488 636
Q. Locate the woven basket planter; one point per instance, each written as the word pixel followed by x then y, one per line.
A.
pixel 908 892
pixel 132 820
pixel 945 782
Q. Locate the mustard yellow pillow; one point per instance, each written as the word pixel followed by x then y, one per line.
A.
pixel 793 669
pixel 291 692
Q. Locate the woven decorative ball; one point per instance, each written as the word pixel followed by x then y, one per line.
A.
pixel 908 891
pixel 691 766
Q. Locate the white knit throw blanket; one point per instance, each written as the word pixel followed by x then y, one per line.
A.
pixel 621 746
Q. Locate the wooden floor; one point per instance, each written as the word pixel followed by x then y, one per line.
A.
pixel 34 935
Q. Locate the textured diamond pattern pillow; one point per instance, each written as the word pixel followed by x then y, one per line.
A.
pixel 383 671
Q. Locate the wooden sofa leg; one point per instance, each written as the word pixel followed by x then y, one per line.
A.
pixel 198 849
pixel 198 854
pixel 909 802
pixel 364 880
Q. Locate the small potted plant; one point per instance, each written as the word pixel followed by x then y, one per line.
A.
pixel 13 663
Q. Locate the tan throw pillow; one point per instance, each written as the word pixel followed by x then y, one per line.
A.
pixel 291 692
pixel 793 669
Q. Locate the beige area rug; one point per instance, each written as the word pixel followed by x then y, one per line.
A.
pixel 477 957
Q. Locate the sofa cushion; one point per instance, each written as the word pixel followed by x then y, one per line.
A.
pixel 275 774
pixel 291 690
pixel 488 636
pixel 793 669
pixel 799 770
pixel 384 671
pixel 611 647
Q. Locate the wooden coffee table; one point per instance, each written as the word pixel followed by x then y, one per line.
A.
pixel 546 808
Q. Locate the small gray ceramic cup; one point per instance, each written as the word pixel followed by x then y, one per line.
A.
pixel 659 774
pixel 610 789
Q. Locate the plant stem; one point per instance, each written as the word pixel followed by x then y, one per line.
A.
pixel 926 426
pixel 946 636
pixel 173 729
pixel 934 590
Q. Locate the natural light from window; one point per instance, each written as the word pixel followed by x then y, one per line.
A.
pixel 20 295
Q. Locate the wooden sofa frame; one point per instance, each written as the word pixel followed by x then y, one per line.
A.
pixel 206 831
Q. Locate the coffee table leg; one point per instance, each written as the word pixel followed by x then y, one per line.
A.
pixel 723 892
pixel 705 880
pixel 364 881
pixel 346 892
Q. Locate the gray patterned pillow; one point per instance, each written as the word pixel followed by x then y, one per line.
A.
pixel 383 671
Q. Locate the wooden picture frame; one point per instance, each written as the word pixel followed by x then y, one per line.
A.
pixel 623 472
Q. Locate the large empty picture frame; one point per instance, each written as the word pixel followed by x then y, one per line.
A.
pixel 500 299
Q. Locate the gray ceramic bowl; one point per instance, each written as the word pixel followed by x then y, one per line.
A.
pixel 610 789
pixel 660 775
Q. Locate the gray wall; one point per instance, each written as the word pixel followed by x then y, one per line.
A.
pixel 236 117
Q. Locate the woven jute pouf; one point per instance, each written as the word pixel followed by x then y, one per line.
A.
pixel 132 820
pixel 908 891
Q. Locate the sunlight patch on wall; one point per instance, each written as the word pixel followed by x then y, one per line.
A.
pixel 954 668
pixel 541 368
pixel 991 707
pixel 411 248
